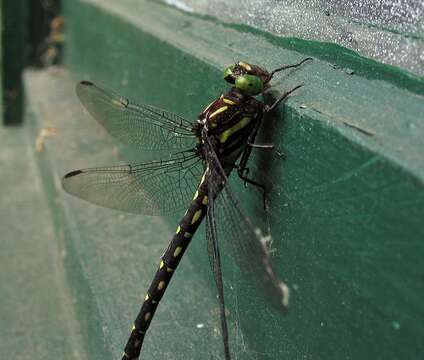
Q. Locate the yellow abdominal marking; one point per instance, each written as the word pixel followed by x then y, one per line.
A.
pixel 205 200
pixel 178 230
pixel 147 316
pixel 246 66
pixel 188 235
pixel 177 251
pixel 223 137
pixel 146 297
pixel 161 285
pixel 162 264
pixel 228 101
pixel 216 112
pixel 196 216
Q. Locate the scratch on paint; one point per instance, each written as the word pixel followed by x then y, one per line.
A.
pixel 359 128
pixel 345 177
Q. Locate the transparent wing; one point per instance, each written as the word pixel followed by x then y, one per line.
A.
pixel 151 188
pixel 142 126
pixel 247 246
pixel 215 262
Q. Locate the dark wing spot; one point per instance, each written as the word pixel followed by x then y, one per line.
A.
pixel 73 173
pixel 87 83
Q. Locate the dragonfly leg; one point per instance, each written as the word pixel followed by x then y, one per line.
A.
pixel 281 154
pixel 241 173
pixel 244 171
pixel 268 108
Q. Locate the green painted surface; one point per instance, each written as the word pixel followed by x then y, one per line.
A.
pixel 36 312
pixel 345 213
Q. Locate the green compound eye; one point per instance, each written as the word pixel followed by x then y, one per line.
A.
pixel 249 84
pixel 228 72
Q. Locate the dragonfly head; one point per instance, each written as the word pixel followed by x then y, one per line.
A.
pixel 252 79
pixel 249 79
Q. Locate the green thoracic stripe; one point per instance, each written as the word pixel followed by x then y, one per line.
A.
pixel 223 137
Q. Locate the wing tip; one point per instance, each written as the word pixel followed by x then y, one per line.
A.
pixel 82 87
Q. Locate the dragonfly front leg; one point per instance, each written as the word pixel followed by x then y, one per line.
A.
pixel 254 183
pixel 268 108
pixel 243 170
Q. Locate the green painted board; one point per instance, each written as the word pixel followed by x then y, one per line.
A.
pixel 36 312
pixel 345 213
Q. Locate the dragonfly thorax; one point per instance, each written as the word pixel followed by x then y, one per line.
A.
pixel 228 121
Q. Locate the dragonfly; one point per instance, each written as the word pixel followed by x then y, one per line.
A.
pixel 194 176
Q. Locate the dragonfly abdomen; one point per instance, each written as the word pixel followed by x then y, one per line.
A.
pixel 169 262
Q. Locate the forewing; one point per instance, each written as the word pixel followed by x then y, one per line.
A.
pixel 142 126
pixel 152 188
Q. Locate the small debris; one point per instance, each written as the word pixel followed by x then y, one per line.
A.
pixel 303 106
pixel 44 133
pixel 200 326
pixel 412 126
pixel 396 325
pixel 349 71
